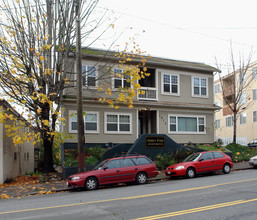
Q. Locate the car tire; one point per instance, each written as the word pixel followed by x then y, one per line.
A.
pixel 91 183
pixel 226 168
pixel 190 173
pixel 141 178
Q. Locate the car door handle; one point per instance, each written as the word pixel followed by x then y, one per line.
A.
pixel 117 171
pixel 136 168
pixel 213 161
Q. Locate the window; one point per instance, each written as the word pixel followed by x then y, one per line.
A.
pixel 254 72
pixel 254 116
pixel 128 162
pixel 117 123
pixel 186 124
pixel 207 156
pixel 141 161
pixel 91 120
pixel 254 94
pixel 242 99
pixel 217 155
pixel 113 164
pixel 200 86
pixel 15 156
pixel 242 77
pixel 89 75
pixel 170 84
pixel 229 121
pixel 217 123
pixel 217 88
pixel 242 118
pixel 121 79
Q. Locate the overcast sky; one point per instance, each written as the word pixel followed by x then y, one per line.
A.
pixel 192 30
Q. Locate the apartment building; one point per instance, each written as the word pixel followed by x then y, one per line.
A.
pixel 247 114
pixel 178 100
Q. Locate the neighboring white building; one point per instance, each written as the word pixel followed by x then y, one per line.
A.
pixel 178 101
pixel 14 160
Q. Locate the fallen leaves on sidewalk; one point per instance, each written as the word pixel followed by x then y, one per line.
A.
pixel 25 186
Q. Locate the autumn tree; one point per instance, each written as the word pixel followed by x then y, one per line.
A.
pixel 36 38
pixel 37 46
pixel 234 88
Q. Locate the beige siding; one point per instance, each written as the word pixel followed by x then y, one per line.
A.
pixel 103 137
pixel 245 132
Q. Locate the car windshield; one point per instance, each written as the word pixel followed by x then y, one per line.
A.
pixel 192 157
pixel 100 165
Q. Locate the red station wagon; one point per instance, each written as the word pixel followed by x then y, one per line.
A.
pixel 115 170
pixel 201 162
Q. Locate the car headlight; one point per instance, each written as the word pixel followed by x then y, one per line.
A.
pixel 75 178
pixel 179 168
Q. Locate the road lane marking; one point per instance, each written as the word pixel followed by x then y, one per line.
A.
pixel 127 198
pixel 194 210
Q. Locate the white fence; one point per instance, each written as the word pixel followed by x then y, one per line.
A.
pixel 239 140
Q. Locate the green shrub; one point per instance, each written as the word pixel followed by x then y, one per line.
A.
pixel 162 161
pixel 91 160
pixel 96 151
pixel 241 153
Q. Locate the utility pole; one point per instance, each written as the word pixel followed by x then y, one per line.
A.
pixel 80 121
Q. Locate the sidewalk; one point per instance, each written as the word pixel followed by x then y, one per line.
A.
pixel 34 187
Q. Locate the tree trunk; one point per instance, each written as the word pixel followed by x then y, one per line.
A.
pixel 48 154
pixel 234 126
pixel 47 139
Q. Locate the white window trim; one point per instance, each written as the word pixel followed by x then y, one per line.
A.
pixel 243 115
pixel 207 87
pixel 122 80
pixel 188 116
pixel 231 122
pixel 256 117
pixel 254 90
pixel 86 132
pixel 216 124
pixel 96 76
pixel 217 86
pixel 117 132
pixel 243 99
pixel 162 84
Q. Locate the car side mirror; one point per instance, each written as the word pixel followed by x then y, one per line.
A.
pixel 105 168
pixel 201 160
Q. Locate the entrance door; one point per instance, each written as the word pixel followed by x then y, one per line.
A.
pixel 147 122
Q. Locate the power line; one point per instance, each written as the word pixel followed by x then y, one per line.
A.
pixel 188 29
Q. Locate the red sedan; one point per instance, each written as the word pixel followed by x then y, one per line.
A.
pixel 201 162
pixel 115 170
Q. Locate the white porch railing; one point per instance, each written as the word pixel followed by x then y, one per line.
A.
pixel 149 93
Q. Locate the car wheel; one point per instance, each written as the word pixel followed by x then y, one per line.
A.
pixel 226 168
pixel 91 183
pixel 190 172
pixel 141 178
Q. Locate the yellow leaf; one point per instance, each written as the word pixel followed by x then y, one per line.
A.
pixel 39 110
pixel 41 58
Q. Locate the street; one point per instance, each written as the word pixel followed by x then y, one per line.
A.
pixel 219 196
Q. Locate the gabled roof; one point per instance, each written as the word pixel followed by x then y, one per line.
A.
pixel 155 61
